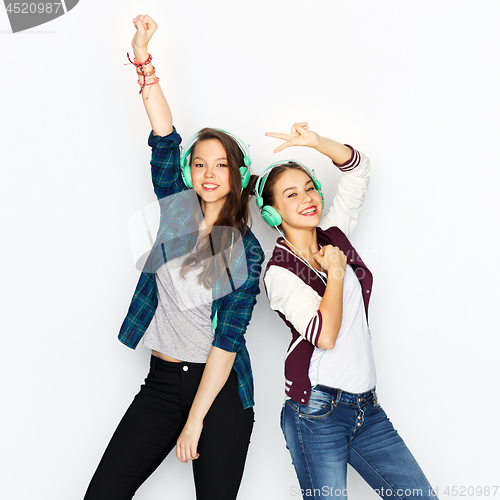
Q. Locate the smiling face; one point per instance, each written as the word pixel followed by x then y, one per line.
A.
pixel 210 173
pixel 296 200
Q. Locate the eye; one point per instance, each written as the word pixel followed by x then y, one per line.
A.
pixel 199 164
pixel 222 165
pixel 290 195
pixel 310 189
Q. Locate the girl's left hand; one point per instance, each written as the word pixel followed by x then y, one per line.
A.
pixel 146 28
pixel 187 443
pixel 300 135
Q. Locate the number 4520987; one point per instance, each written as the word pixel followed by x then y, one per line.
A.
pixel 33 8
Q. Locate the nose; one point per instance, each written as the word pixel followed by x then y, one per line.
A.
pixel 209 171
pixel 307 198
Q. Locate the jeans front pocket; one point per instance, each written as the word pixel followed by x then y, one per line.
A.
pixel 319 405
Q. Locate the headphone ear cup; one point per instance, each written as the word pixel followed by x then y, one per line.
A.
pixel 186 176
pixel 317 186
pixel 271 216
pixel 245 176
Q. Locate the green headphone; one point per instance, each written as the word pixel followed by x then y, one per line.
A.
pixel 186 168
pixel 269 213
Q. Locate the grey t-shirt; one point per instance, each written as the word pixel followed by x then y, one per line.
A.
pixel 181 327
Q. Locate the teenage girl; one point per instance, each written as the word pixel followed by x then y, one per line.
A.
pixel 320 287
pixel 192 306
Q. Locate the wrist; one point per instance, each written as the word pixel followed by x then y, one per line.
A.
pixel 318 143
pixel 335 274
pixel 140 53
pixel 194 419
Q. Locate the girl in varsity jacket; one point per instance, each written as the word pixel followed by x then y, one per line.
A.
pixel 320 287
pixel 191 306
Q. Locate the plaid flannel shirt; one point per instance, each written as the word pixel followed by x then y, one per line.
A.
pixel 233 310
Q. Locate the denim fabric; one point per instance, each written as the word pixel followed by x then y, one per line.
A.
pixel 336 428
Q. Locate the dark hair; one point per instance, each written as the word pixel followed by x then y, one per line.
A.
pixel 235 212
pixel 268 195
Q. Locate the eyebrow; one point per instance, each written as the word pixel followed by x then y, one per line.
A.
pixel 294 187
pixel 217 159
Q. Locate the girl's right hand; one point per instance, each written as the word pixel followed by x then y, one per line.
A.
pixel 300 135
pixel 332 259
pixel 145 27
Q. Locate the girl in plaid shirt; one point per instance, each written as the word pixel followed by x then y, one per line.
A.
pixel 198 395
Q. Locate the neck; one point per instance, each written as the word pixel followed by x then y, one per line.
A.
pixel 211 212
pixel 304 240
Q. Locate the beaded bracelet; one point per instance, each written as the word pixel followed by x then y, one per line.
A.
pixel 140 66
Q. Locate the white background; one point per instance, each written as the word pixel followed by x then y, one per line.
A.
pixel 411 84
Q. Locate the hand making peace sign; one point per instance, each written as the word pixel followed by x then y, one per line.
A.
pixel 300 135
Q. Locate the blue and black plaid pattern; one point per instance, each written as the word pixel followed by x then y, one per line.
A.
pixel 177 236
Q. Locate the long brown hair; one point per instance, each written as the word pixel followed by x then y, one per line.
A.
pixel 234 214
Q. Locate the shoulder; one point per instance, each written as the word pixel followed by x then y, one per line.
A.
pixel 282 257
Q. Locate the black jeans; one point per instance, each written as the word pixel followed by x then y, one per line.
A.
pixel 149 430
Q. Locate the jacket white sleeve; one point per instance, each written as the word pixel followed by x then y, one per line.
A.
pixel 350 195
pixel 296 300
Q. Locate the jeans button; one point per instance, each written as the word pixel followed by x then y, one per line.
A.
pixel 359 424
pixel 359 400
pixel 185 368
pixel 359 417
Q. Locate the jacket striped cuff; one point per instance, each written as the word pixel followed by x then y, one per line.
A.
pixel 352 162
pixel 313 329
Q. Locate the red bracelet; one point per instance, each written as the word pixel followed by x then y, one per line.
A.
pixel 145 63
pixel 140 66
pixel 148 73
pixel 149 84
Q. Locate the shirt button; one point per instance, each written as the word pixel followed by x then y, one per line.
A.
pixel 352 260
pixel 367 291
pixel 185 368
pixel 302 400
pixel 305 392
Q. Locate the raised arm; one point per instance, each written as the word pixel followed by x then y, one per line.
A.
pixel 154 101
pixel 353 185
pixel 300 135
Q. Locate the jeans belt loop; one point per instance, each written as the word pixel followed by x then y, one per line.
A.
pixel 374 393
pixel 337 400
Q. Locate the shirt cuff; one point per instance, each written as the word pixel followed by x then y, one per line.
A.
pixel 159 141
pixel 351 163
pixel 226 343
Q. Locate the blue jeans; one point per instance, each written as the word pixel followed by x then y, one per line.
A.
pixel 336 428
